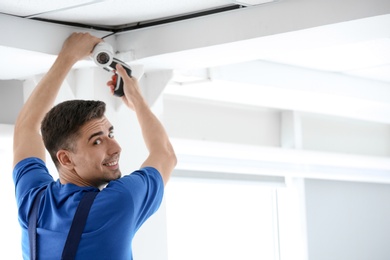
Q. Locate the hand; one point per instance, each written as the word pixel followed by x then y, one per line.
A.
pixel 78 46
pixel 131 87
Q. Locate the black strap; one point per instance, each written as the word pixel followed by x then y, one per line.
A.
pixel 32 226
pixel 76 230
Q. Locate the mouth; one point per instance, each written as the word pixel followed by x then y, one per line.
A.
pixel 111 162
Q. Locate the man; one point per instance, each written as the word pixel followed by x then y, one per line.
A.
pixel 81 142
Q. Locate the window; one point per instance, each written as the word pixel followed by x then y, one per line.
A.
pixel 221 219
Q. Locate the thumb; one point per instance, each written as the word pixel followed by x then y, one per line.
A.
pixel 121 71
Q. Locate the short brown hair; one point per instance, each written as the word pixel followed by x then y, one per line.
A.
pixel 62 123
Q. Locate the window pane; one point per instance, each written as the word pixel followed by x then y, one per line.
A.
pixel 227 220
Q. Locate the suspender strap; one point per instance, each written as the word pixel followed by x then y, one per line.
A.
pixel 77 226
pixel 32 226
pixel 75 231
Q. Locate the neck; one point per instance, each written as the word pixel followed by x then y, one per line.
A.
pixel 72 177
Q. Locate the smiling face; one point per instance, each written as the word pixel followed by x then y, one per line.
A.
pixel 95 159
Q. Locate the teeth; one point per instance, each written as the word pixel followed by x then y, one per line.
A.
pixel 111 163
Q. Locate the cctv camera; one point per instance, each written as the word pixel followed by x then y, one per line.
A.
pixel 103 54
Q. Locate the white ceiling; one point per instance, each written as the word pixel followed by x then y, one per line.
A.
pixel 86 14
pixel 368 57
pixel 107 13
pixel 347 41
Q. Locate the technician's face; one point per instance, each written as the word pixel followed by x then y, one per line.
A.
pixel 97 153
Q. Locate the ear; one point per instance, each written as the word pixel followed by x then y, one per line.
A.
pixel 65 159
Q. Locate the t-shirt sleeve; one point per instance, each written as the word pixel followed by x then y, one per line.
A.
pixel 144 191
pixel 28 174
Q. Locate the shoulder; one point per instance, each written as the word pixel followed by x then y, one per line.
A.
pixel 30 173
pixel 148 178
pixel 29 161
pixel 139 194
pixel 31 164
pixel 145 175
pixel 145 182
pixel 148 172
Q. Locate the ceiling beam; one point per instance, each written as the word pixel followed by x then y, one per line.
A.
pixel 30 46
pixel 279 86
pixel 294 99
pixel 159 49
pixel 37 36
pixel 280 26
pixel 302 79
pixel 204 156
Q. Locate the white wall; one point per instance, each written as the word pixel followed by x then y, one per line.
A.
pixel 221 122
pixel 347 220
pixel 344 219
pixel 11 100
pixel 344 135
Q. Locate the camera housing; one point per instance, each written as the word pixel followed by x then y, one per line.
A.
pixel 103 56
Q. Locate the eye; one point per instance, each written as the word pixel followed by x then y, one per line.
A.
pixel 111 135
pixel 97 141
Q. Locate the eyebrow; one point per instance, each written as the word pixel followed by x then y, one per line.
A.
pixel 99 133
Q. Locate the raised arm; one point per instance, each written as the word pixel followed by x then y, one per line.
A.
pixel 27 139
pixel 161 153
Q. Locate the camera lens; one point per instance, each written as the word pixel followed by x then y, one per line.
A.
pixel 103 58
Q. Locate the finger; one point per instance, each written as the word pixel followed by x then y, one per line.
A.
pixel 111 88
pixel 94 41
pixel 114 78
pixel 110 83
pixel 121 71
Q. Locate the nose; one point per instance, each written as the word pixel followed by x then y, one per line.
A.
pixel 114 147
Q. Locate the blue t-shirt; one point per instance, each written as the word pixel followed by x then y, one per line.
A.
pixel 116 214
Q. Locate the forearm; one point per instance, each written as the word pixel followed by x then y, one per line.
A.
pixel 27 139
pixel 153 132
pixel 43 96
pixel 161 152
pixel 76 47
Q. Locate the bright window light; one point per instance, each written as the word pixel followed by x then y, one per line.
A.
pixel 11 233
pixel 216 219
